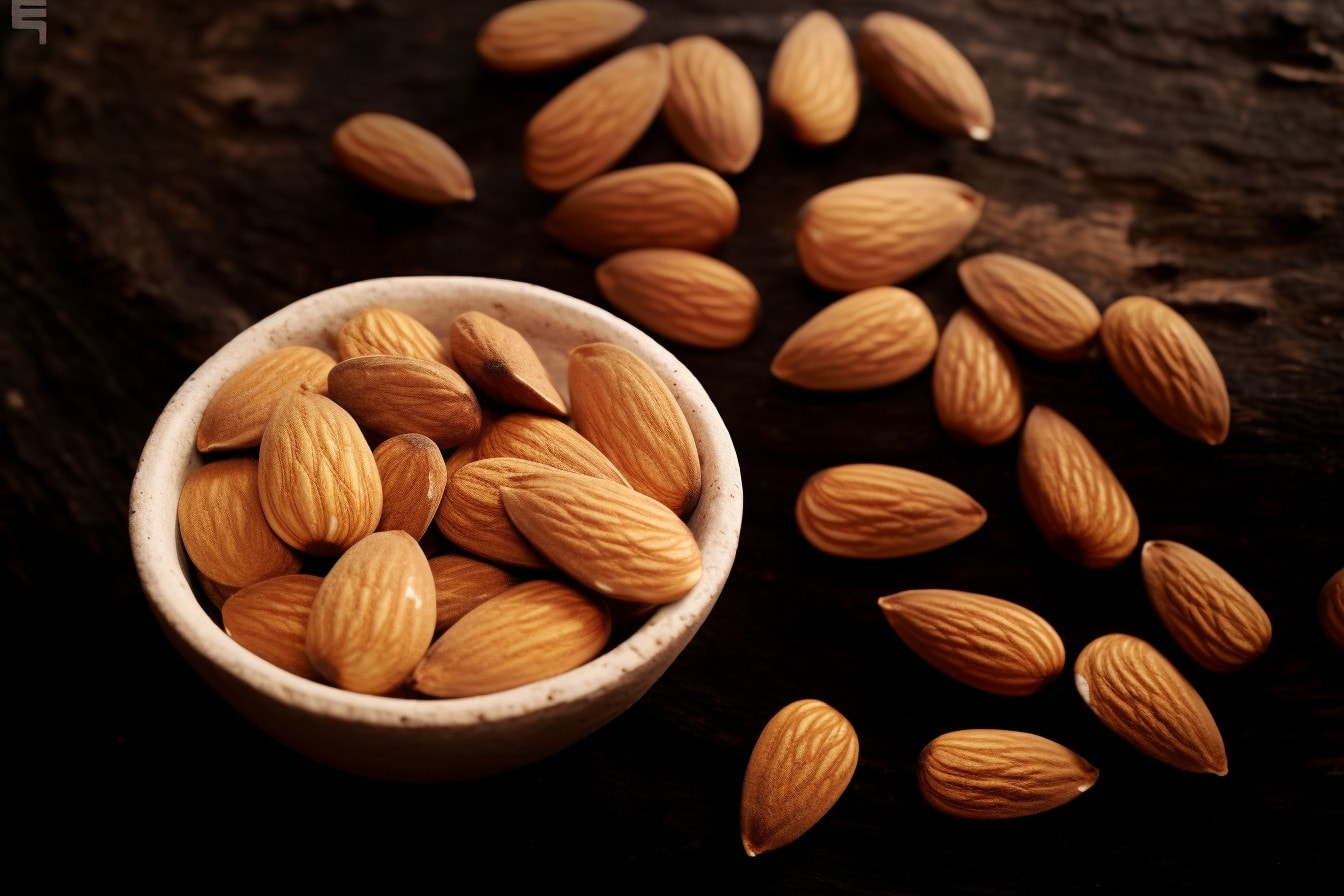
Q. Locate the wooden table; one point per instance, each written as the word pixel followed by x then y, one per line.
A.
pixel 167 181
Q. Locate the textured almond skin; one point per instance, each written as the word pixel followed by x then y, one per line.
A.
pixel 462 583
pixel 319 484
pixel 799 768
pixel 498 361
pixel 546 440
pixel 1330 604
pixel 986 773
pixel 622 406
pixel 1140 695
pixel 224 528
pixel 876 511
pixel 548 35
pixel 713 107
pixel 986 642
pixel 923 75
pixel 531 631
pixel 608 537
pixel 1208 613
pixel 689 297
pixel 1168 366
pixel 977 383
pixel 592 123
pixel 1072 495
pixel 413 475
pixel 871 338
pixel 402 158
pixel 270 618
pixel 388 331
pixel 877 231
pixel 472 516
pixel 373 617
pixel 390 395
pixel 239 409
pixel 1031 305
pixel 675 204
pixel 813 89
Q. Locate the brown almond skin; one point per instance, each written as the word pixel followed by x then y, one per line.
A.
pixel 1032 305
pixel 472 516
pixel 977 382
pixel 1140 695
pixel 501 364
pixel 713 107
pixel 986 642
pixel 388 331
pixel 985 773
pixel 224 528
pixel 462 583
pixel 270 618
pixel 813 89
pixel 237 413
pixel 1330 604
pixel 537 36
pixel 546 440
pixel 391 395
pixel 402 159
pixel 414 475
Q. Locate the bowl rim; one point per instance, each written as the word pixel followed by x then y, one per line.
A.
pixel 162 565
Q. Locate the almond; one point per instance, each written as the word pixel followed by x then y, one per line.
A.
pixel 224 529
pixel 876 231
pixel 686 296
pixel 390 395
pixel 591 124
pixel 675 204
pixel 1331 609
pixel 1163 360
pixel 918 70
pixel 462 583
pixel 270 619
pixel 317 478
pixel 402 158
pixel 1139 695
pixel 1072 495
pixel 1031 305
pixel 500 362
pixel 871 338
pixel 388 331
pixel 977 383
pixel 622 406
pixel 413 475
pixel 994 773
pixel 607 536
pixel 529 632
pixel 813 88
pixel 548 35
pixel 472 516
pixel 546 440
pixel 373 617
pixel 237 412
pixel 799 768
pixel 1208 613
pixel 876 511
pixel 985 642
pixel 713 107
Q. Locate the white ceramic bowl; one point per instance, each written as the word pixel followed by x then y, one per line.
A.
pixel 401 739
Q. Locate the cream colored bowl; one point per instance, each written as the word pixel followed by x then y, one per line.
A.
pixel 402 739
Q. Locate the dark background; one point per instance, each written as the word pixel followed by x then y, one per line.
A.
pixel 167 180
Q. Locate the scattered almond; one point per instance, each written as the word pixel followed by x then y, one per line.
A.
pixel 977 384
pixel 986 773
pixel 713 107
pixel 813 88
pixel 413 475
pixel 538 36
pixel 1331 609
pixel 388 331
pixel 270 618
pixel 500 362
pixel 403 159
pixel 237 412
pixel 1031 305
pixel 547 440
pixel 462 583
pixel 390 395
pixel 224 528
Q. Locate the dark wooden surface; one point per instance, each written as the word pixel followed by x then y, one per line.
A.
pixel 167 181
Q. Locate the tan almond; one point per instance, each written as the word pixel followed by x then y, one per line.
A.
pixel 547 440
pixel 686 296
pixel 388 331
pixel 1164 361
pixel 622 406
pixel 607 536
pixel 1071 493
pixel 674 204
pixel 373 617
pixel 462 583
pixel 224 529
pixel 413 474
pixel 501 363
pixel 403 159
pixel 538 36
pixel 813 89
pixel 214 592
pixel 1209 614
pixel 924 76
pixel 988 773
pixel 1032 305
pixel 270 618
pixel 881 230
pixel 591 124
pixel 390 395
pixel 237 412
pixel 1330 605
pixel 800 766
pixel 713 107
pixel 317 478
pixel 532 631
pixel 985 642
pixel 868 339
pixel 977 383
pixel 878 511
pixel 1140 695
pixel 472 516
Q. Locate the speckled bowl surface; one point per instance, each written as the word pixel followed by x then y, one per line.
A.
pixel 427 740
